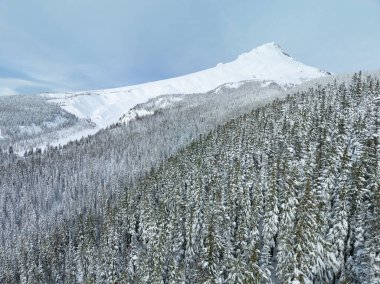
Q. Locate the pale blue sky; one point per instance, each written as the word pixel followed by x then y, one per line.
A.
pixel 54 45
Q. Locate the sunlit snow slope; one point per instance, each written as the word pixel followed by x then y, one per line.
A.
pixel 266 62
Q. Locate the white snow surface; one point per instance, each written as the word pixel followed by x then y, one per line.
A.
pixel 138 112
pixel 134 114
pixel 267 62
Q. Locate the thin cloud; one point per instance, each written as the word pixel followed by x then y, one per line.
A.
pixel 9 86
pixel 78 45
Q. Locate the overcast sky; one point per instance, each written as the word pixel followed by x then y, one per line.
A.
pixel 56 45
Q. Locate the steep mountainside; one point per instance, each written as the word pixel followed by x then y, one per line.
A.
pixel 288 193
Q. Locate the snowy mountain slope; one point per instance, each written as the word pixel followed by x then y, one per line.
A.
pixel 223 95
pixel 266 62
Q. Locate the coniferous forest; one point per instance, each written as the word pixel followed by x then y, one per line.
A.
pixel 287 192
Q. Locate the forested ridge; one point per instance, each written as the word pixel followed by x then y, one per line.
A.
pixel 44 189
pixel 288 193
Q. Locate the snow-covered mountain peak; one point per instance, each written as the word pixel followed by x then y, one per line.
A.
pixel 264 63
pixel 270 62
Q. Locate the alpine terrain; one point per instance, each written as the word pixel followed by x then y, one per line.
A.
pixel 260 170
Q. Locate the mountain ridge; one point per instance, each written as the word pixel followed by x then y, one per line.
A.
pixel 91 111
